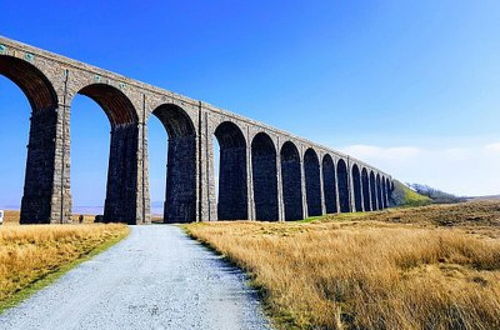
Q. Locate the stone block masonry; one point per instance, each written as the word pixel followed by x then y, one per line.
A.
pixel 265 173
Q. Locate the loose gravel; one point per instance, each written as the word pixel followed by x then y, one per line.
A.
pixel 157 278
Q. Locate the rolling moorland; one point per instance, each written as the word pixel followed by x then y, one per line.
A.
pixel 419 265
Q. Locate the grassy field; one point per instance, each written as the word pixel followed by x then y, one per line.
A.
pixel 35 255
pixel 431 267
pixel 12 218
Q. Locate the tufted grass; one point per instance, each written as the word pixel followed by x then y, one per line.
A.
pixel 417 268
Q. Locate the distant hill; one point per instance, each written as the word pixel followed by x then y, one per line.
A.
pixel 403 195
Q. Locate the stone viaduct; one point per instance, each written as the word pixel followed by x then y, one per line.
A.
pixel 265 173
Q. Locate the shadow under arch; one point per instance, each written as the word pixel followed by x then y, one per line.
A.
pixel 356 182
pixel 121 189
pixel 373 192
pixel 39 182
pixel 264 174
pixel 232 202
pixel 180 195
pixel 343 182
pixel 329 184
pixel 366 189
pixel 378 186
pixel 291 181
pixel 313 183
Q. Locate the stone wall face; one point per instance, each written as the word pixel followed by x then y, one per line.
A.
pixel 263 181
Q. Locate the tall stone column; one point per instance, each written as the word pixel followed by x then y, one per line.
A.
pixel 250 190
pixel 122 187
pixel 143 197
pixel 322 187
pixel 47 197
pixel 305 211
pixel 279 180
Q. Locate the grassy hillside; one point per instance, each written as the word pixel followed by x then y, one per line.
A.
pixel 433 267
pixel 404 196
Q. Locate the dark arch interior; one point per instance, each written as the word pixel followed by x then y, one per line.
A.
pixel 39 180
pixel 379 192
pixel 313 186
pixel 265 186
pixel 356 181
pixel 343 177
pixel 121 189
pixel 115 104
pixel 232 201
pixel 373 192
pixel 329 185
pixel 366 189
pixel 291 181
pixel 180 196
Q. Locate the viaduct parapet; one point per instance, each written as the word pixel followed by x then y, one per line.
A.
pixel 265 173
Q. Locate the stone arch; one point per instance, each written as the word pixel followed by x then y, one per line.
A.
pixel 180 196
pixel 343 186
pixel 313 186
pixel 232 202
pixel 117 106
pixel 379 192
pixel 329 184
pixel 34 84
pixel 121 190
pixel 264 174
pixel 39 182
pixel 291 181
pixel 356 182
pixel 366 189
pixel 373 192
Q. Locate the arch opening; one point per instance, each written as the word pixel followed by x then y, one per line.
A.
pixel 291 181
pixel 343 182
pixel 180 192
pixel 121 188
pixel 366 189
pixel 232 202
pixel 379 192
pixel 36 203
pixel 313 185
pixel 356 181
pixel 373 192
pixel 329 185
pixel 265 185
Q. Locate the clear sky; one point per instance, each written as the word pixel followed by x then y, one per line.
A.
pixel 412 87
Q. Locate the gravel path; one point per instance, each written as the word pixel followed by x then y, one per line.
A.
pixel 157 278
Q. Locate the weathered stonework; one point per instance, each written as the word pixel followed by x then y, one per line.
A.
pixel 265 173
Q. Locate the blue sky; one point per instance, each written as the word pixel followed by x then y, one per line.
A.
pixel 411 87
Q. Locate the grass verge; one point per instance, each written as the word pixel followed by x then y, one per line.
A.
pixel 371 271
pixel 32 257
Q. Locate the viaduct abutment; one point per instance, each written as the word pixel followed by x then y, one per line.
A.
pixel 264 173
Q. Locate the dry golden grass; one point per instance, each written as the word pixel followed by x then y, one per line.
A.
pixel 369 274
pixel 29 254
pixel 11 217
